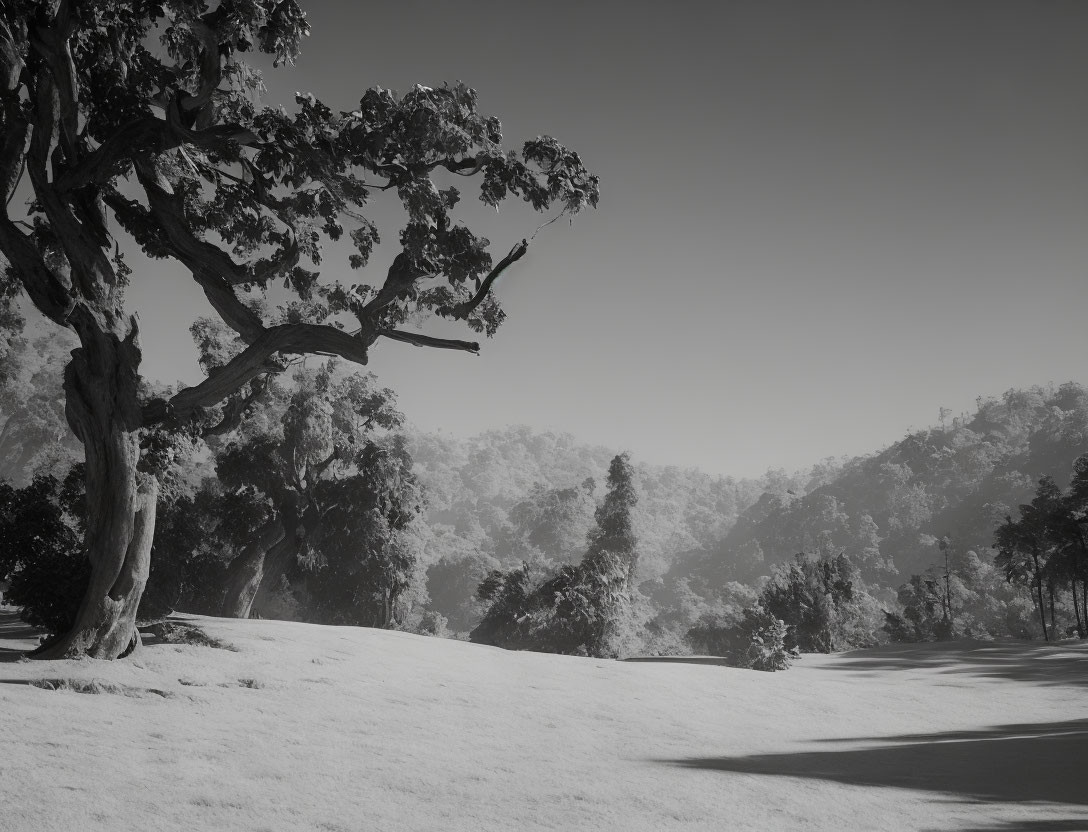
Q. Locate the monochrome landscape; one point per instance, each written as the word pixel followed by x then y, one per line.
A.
pixel 485 416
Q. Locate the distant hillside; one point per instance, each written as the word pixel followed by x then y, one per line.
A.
pixel 503 488
pixel 511 495
pixel 888 510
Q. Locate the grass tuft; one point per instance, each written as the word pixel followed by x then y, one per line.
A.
pixel 94 686
pixel 171 633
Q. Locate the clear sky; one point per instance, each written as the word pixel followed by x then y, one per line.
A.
pixel 819 223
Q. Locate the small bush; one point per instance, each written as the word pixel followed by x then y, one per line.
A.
pixel 764 637
pixel 433 623
pixel 171 633
pixel 757 641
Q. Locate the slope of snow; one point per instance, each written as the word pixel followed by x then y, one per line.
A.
pixel 334 728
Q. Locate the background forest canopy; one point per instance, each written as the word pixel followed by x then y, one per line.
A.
pixel 916 521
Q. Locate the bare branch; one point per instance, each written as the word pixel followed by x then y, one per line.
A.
pixel 252 362
pixel 463 310
pixel 419 340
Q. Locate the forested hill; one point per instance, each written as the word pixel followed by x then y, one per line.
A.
pixel 888 511
pixel 511 495
pixel 514 495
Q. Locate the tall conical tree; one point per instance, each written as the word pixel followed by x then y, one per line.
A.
pixel 612 559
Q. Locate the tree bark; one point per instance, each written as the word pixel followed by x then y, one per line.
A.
pixel 1042 606
pixel 1076 607
pixel 247 570
pixel 275 564
pixel 104 412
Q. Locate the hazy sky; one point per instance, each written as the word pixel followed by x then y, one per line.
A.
pixel 819 223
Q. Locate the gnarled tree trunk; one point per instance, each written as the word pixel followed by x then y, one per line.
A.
pixel 104 412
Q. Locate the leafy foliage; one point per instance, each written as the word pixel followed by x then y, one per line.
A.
pixel 367 546
pixel 41 551
pixel 818 599
pixel 589 608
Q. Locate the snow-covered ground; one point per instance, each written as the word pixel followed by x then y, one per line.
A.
pixel 329 728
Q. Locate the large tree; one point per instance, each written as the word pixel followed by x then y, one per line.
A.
pixel 138 121
pixel 296 462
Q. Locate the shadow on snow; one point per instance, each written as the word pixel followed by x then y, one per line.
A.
pixel 1009 763
pixel 1023 661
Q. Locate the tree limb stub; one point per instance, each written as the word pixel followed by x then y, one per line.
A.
pixel 419 340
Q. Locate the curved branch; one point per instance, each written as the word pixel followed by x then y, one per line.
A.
pixel 236 409
pixel 143 135
pixel 46 291
pixel 211 267
pixel 463 310
pixel 402 275
pixel 252 362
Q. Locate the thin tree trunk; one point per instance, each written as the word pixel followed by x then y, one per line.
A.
pixel 103 410
pixel 1042 608
pixel 246 571
pixel 1076 607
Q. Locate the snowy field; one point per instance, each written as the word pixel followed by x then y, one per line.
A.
pixel 302 727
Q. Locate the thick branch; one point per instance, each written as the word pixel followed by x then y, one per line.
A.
pixel 12 151
pixel 51 42
pixel 235 409
pixel 252 362
pixel 211 267
pixel 211 67
pixel 91 271
pixel 402 275
pixel 419 340
pixel 145 135
pixel 11 64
